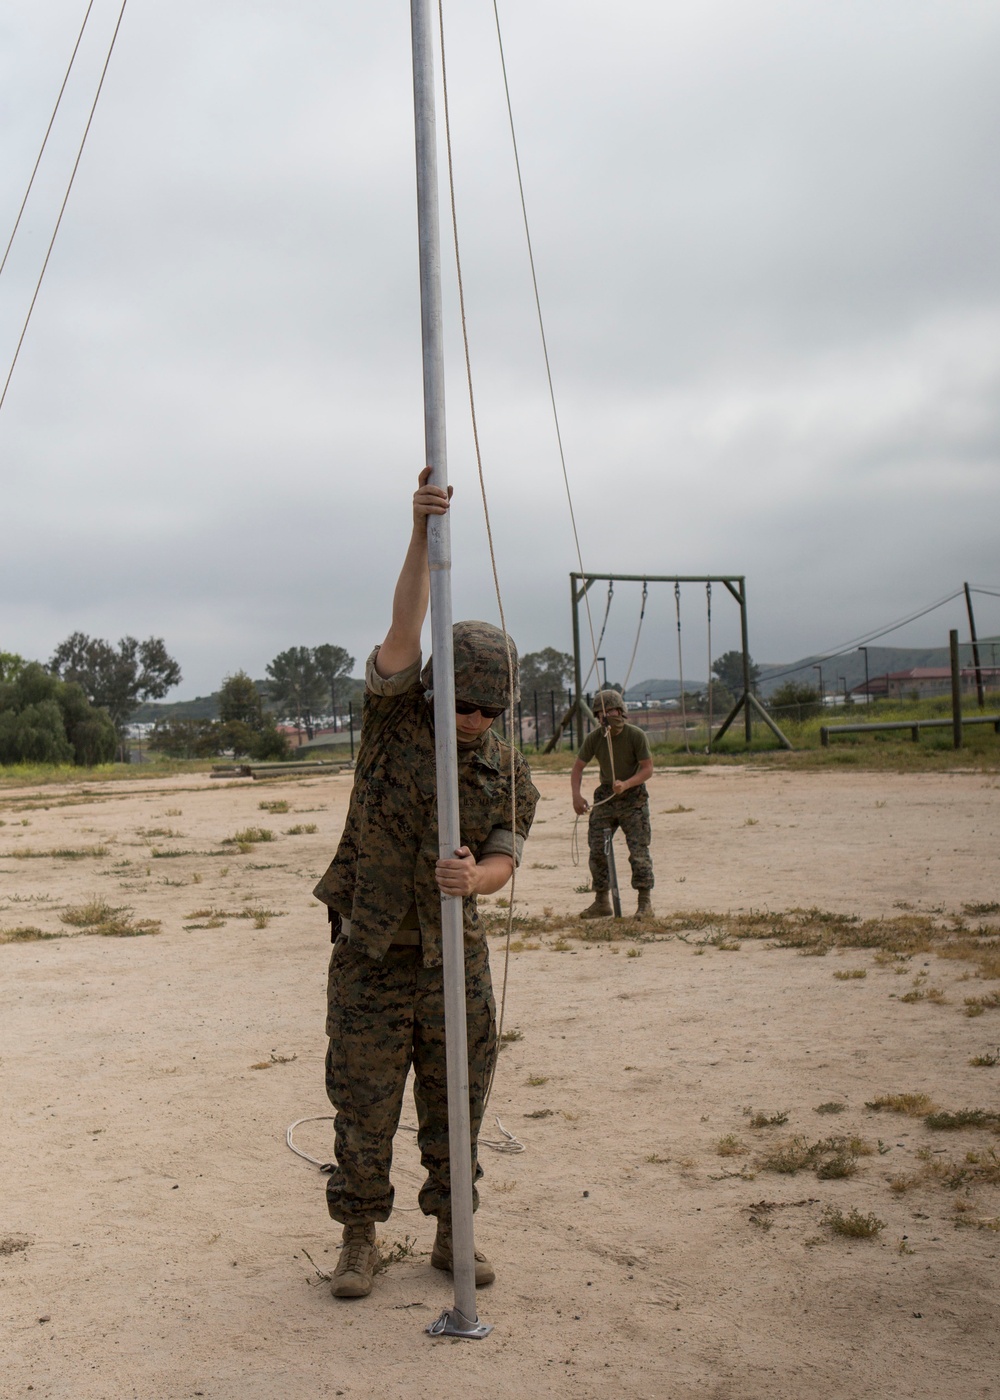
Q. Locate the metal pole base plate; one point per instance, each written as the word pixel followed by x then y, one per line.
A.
pixel 452 1323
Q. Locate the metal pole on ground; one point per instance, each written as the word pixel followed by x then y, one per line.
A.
pixel 462 1319
pixel 956 689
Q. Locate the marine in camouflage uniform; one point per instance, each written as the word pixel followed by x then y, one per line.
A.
pixel 620 800
pixel 385 1004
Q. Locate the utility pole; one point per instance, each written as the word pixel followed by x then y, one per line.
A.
pixel 980 694
pixel 868 698
pixel 822 692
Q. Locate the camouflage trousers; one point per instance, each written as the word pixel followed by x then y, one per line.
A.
pixel 381 1018
pixel 630 812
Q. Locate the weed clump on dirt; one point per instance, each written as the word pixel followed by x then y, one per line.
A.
pixel 853 1225
pixel 963 1118
pixel 249 837
pixel 97 916
pixel 830 1158
pixel 766 1120
pixel 913 1105
pixel 731 1146
pixel 26 933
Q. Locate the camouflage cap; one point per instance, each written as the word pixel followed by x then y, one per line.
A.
pixel 608 700
pixel 481 665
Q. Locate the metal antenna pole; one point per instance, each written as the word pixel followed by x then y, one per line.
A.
pixel 461 1320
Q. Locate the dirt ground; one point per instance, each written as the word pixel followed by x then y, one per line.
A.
pixel 159 1240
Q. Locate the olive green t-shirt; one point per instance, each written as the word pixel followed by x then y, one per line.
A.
pixel 630 747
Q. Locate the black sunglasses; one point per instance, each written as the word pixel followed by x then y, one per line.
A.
pixel 467 707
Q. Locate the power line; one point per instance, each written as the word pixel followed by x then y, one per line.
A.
pixel 48 130
pixel 862 640
pixel 62 208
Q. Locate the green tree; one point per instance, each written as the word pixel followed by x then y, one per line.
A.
pixel 11 665
pixel 545 670
pixel 728 668
pixel 187 738
pixel 45 720
pixel 269 742
pixel 796 696
pixel 239 701
pixel 297 687
pixel 333 663
pixel 117 679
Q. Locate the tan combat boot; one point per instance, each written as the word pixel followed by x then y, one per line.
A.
pixel 441 1256
pixel 645 908
pixel 355 1270
pixel 601 907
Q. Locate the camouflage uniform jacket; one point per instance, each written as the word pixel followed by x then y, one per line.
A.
pixel 387 853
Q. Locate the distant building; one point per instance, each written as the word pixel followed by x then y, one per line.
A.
pixel 924 681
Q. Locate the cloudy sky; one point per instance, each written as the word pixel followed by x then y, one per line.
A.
pixel 767 235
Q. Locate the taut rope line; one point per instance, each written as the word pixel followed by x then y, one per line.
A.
pixel 493 561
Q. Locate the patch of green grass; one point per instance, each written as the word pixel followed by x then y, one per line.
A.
pixel 509 1037
pixel 278 806
pixel 302 829
pixel 832 1107
pixel 987 1060
pixel 855 974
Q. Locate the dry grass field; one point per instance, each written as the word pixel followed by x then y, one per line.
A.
pixel 761 1131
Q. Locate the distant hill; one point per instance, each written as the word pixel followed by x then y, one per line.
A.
pixel 202 707
pixel 836 670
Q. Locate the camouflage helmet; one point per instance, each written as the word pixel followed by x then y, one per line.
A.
pixel 606 700
pixel 481 665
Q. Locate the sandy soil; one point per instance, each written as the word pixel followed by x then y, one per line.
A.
pixel 155 1228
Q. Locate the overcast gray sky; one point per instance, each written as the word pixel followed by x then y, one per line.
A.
pixel 767 234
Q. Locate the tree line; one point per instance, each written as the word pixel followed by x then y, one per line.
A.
pixel 76 708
